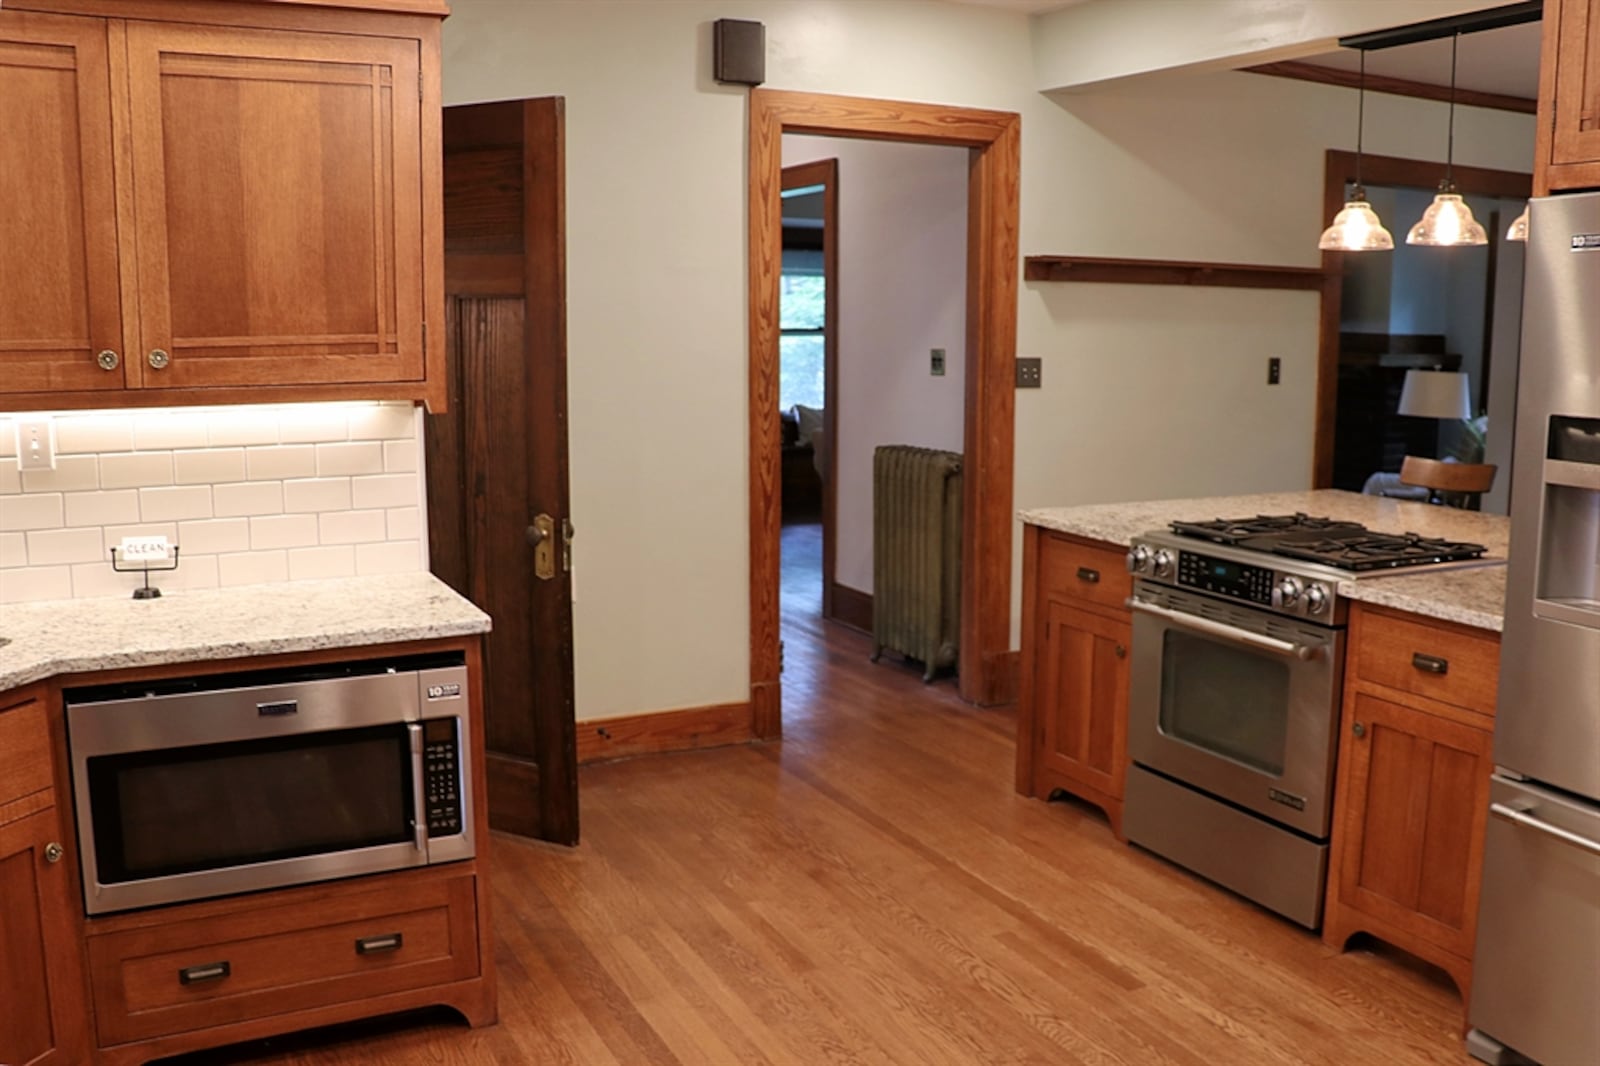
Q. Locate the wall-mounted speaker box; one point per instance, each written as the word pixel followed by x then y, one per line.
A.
pixel 739 52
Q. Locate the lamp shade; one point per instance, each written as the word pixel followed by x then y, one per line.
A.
pixel 1436 394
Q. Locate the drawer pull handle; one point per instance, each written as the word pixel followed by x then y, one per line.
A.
pixel 1086 574
pixel 376 945
pixel 210 971
pixel 1430 664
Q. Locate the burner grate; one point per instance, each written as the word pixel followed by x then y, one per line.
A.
pixel 1236 530
pixel 1380 551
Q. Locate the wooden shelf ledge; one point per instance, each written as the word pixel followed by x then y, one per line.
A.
pixel 1171 272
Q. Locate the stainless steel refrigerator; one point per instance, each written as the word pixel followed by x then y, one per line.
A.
pixel 1536 970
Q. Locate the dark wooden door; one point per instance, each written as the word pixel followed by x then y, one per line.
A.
pixel 497 460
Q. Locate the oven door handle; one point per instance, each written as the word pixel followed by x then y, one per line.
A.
pixel 419 813
pixel 1285 648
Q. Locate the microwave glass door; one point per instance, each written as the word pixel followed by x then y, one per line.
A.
pixel 1226 699
pixel 182 810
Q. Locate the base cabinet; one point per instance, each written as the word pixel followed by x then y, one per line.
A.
pixel 1413 788
pixel 1073 725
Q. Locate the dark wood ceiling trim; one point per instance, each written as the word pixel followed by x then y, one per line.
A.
pixel 1170 272
pixel 1378 83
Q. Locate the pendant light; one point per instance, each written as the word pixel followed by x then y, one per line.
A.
pixel 1357 227
pixel 1519 227
pixel 1448 220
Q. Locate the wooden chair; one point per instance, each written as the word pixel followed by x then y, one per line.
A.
pixel 1455 483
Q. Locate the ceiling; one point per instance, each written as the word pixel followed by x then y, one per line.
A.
pixel 1504 61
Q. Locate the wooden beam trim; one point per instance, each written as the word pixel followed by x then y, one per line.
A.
pixel 652 734
pixel 1172 272
pixel 1378 83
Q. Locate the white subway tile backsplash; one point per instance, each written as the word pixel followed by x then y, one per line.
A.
pixel 94 433
pixel 390 557
pixel 36 583
pixel 248 498
pixel 154 430
pixel 175 503
pixel 102 508
pixel 384 490
pixel 40 511
pixel 351 527
pixel 252 568
pixel 213 536
pixel 8 437
pixel 13 549
pixel 250 494
pixel 208 467
pixel 72 473
pixel 283 531
pixel 309 564
pixel 55 546
pixel 350 457
pixel 317 494
pixel 275 464
pixel 134 470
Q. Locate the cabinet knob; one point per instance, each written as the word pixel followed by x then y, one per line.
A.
pixel 108 360
pixel 1122 651
pixel 53 852
pixel 1359 730
pixel 159 359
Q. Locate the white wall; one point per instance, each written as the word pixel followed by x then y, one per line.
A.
pixel 250 494
pixel 1147 392
pixel 902 292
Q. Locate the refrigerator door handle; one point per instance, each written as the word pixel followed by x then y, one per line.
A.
pixel 1511 814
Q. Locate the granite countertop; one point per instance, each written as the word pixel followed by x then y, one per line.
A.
pixel 1474 597
pixel 113 633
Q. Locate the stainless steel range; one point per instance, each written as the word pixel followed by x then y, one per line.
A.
pixel 1238 654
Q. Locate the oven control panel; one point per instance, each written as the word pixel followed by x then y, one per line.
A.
pixel 441 776
pixel 1225 578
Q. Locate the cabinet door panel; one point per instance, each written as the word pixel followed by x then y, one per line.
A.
pixel 277 186
pixel 1577 118
pixel 1083 696
pixel 41 979
pixel 59 301
pixel 1417 805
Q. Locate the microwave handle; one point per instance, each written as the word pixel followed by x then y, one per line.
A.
pixel 419 799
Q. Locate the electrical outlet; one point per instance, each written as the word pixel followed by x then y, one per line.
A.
pixel 36 442
pixel 1030 372
pixel 1274 370
pixel 936 363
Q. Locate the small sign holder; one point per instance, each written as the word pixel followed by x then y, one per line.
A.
pixel 145 593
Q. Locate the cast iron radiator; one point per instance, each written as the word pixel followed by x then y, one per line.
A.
pixel 916 555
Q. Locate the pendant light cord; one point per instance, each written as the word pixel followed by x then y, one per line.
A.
pixel 1450 144
pixel 1361 113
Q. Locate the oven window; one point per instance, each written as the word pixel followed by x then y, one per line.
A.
pixel 1226 700
pixel 186 809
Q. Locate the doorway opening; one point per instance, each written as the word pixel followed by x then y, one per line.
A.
pixel 987 669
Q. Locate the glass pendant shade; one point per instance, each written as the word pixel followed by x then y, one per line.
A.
pixel 1519 227
pixel 1447 222
pixel 1356 228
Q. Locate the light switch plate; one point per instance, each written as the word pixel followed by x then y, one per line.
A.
pixel 936 362
pixel 1030 372
pixel 36 442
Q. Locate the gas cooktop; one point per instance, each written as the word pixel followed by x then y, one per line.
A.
pixel 1330 542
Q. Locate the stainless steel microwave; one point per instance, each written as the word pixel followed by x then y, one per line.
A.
pixel 190 788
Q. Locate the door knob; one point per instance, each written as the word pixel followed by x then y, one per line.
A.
pixel 542 536
pixel 536 535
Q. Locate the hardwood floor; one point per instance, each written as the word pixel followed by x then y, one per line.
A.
pixel 871 890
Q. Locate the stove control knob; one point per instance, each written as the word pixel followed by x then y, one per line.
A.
pixel 1316 599
pixel 1163 562
pixel 1286 593
pixel 1138 559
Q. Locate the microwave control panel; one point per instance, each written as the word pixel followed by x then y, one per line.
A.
pixel 441 776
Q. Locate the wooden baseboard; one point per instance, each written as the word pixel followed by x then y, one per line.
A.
pixel 852 607
pixel 652 734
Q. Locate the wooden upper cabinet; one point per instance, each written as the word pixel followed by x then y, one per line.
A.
pixel 1569 97
pixel 278 197
pixel 59 290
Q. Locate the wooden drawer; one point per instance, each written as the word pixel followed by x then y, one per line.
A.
pixel 1083 571
pixel 157 979
pixel 24 747
pixel 1441 661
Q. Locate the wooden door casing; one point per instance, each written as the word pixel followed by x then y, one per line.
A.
pixel 264 255
pixel 60 302
pixel 1413 808
pixel 499 458
pixel 1082 694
